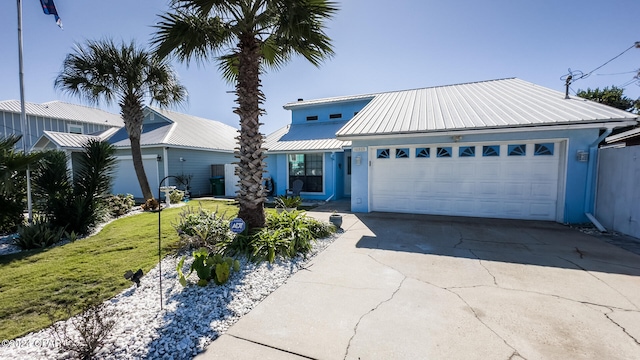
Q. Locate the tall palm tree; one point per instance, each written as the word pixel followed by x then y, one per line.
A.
pixel 103 71
pixel 245 36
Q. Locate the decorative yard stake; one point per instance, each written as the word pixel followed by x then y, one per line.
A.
pixel 159 231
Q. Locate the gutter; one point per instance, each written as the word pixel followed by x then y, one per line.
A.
pixel 591 189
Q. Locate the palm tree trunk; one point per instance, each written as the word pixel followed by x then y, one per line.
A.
pixel 131 111
pixel 250 153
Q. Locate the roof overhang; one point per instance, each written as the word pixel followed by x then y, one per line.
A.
pixel 494 130
pixel 623 136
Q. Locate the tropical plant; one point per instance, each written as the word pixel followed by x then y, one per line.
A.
pixel 77 204
pixel 287 234
pixel 104 71
pixel 288 202
pixel 247 36
pixel 202 228
pixel 39 234
pixel 13 166
pixel 208 267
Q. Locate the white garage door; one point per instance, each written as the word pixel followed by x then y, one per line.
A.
pixel 125 180
pixel 517 180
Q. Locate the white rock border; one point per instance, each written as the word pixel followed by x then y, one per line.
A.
pixel 191 317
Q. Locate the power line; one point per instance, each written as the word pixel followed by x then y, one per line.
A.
pixel 620 73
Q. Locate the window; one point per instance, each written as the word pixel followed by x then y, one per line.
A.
pixel 335 116
pixel 75 129
pixel 308 168
pixel 517 150
pixel 312 118
pixel 348 165
pixel 491 150
pixel 382 153
pixel 444 151
pixel 543 149
pixel 467 151
pixel 422 152
pixel 402 153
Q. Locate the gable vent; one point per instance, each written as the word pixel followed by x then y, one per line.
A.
pixel 335 116
pixel 313 117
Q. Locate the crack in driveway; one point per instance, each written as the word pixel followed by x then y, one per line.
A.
pixel 355 328
pixel 495 282
pixel 621 327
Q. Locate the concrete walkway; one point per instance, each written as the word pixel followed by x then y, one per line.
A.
pixel 423 287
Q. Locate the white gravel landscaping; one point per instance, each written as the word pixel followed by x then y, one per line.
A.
pixel 191 317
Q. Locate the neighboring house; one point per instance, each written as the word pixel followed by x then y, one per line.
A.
pixel 618 197
pixel 173 144
pixel 53 116
pixel 501 148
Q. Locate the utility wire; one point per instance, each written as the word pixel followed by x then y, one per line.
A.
pixel 572 76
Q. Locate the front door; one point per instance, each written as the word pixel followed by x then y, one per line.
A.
pixel 347 173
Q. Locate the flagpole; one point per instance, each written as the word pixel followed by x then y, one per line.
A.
pixel 23 112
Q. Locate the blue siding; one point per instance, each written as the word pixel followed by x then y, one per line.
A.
pixel 333 175
pixel 347 109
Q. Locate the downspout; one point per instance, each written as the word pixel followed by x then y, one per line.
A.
pixel 335 177
pixel 589 195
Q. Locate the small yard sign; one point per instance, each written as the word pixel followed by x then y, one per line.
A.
pixel 237 225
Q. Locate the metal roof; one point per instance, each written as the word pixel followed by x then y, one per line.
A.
pixel 69 140
pixel 481 105
pixel 306 137
pixel 331 100
pixel 182 130
pixel 65 111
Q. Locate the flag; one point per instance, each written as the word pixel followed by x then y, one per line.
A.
pixel 49 8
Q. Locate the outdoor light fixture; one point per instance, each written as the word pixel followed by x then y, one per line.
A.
pixel 159 158
pixel 582 156
pixel 457 138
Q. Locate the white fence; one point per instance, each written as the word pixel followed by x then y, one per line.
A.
pixel 618 197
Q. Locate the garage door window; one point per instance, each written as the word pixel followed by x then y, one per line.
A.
pixel 422 152
pixel 543 149
pixel 444 152
pixel 517 150
pixel 491 150
pixel 467 151
pixel 382 153
pixel 402 153
pixel 308 168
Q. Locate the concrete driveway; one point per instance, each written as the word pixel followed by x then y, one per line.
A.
pixel 423 287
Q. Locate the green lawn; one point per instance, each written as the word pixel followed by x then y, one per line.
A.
pixel 33 282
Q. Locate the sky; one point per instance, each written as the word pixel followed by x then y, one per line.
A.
pixel 380 45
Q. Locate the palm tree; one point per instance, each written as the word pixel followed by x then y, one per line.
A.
pixel 245 36
pixel 103 71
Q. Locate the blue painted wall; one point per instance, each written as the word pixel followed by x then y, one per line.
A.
pixel 347 109
pixel 333 181
pixel 576 198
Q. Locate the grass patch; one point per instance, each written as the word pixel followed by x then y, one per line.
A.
pixel 88 270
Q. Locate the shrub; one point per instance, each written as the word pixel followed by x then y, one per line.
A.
pixel 201 228
pixel 120 204
pixel 13 184
pixel 84 335
pixel 40 234
pixel 287 234
pixel 176 196
pixel 150 204
pixel 79 205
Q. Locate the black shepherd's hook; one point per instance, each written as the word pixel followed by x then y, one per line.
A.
pixel 159 230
